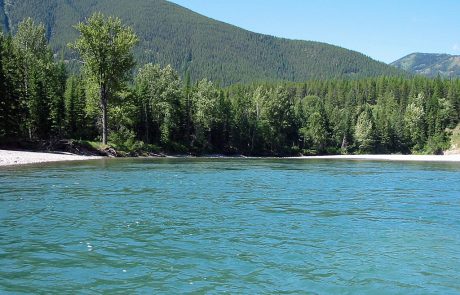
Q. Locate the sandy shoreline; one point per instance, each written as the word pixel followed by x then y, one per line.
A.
pixel 13 158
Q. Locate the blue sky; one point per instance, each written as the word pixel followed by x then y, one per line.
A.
pixel 384 30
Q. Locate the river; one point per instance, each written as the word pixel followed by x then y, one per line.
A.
pixel 230 225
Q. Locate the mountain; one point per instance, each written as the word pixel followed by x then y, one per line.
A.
pixel 3 18
pixel 171 34
pixel 430 64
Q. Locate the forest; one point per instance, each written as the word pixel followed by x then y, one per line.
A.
pixel 152 109
pixel 194 44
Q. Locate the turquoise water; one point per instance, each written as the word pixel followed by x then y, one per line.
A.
pixel 237 226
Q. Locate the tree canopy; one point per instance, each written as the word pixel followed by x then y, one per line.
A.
pixel 105 46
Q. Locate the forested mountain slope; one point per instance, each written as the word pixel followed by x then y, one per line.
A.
pixel 171 34
pixel 3 18
pixel 430 64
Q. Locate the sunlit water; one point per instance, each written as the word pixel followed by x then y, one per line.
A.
pixel 236 225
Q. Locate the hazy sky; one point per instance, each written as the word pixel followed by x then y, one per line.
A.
pixel 385 30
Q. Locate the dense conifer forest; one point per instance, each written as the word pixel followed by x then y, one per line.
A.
pixel 155 110
pixel 194 44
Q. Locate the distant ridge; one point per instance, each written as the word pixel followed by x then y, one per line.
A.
pixel 4 26
pixel 430 64
pixel 190 42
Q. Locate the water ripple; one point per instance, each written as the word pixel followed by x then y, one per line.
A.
pixel 236 226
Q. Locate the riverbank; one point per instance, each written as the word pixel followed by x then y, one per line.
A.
pixel 401 158
pixel 12 158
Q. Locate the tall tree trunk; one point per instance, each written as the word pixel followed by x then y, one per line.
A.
pixel 26 95
pixel 146 122
pixel 104 115
pixel 188 120
pixel 104 122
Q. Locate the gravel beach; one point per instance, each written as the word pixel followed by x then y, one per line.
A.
pixel 9 158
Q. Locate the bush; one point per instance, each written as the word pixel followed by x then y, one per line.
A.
pixel 309 152
pixel 295 150
pixel 333 151
pixel 125 140
pixel 436 144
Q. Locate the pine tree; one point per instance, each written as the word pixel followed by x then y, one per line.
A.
pixel 5 101
pixel 56 86
pixel 76 124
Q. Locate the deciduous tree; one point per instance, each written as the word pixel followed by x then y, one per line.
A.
pixel 105 45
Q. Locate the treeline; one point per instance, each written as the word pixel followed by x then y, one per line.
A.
pixel 157 110
pixel 32 86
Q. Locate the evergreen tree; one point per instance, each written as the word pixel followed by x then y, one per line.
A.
pixel 32 47
pixel 12 105
pixel 76 124
pixel 5 102
pixel 57 77
pixel 385 114
pixel 387 120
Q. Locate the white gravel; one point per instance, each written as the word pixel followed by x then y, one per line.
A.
pixel 8 158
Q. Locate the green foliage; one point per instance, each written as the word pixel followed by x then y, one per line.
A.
pixel 93 145
pixel 76 122
pixel 414 120
pixel 57 80
pixel 39 82
pixel 204 113
pixel 313 119
pixel 31 40
pixel 159 93
pixel 248 123
pixel 160 113
pixel 436 144
pixel 364 131
pixel 105 46
pixel 125 140
pixel 388 121
pixel 4 102
pixel 12 103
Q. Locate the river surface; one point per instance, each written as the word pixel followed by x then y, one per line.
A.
pixel 241 226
